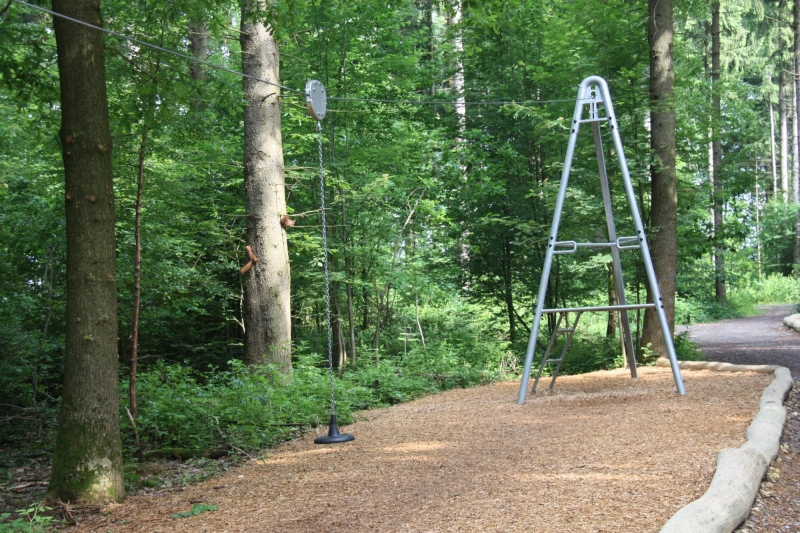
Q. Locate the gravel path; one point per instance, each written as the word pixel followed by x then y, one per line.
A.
pixel 764 340
pixel 757 340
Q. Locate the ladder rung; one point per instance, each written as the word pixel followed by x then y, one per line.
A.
pixel 570 330
pixel 554 360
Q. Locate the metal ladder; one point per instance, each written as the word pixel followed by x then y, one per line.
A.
pixel 570 331
pixel 593 106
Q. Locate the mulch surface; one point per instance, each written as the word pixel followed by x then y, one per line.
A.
pixel 602 453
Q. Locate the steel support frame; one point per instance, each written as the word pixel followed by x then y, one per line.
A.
pixel 593 91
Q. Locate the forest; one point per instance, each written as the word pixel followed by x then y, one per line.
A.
pixel 441 149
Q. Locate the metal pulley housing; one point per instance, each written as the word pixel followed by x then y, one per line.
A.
pixel 316 99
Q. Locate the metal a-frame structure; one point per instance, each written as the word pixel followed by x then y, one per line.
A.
pixel 593 106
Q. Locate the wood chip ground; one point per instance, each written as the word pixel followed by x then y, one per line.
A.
pixel 602 453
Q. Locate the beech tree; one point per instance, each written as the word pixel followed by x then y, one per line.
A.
pixel 87 462
pixel 267 311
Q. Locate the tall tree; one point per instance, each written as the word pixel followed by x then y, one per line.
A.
pixel 775 185
pixel 783 112
pixel 267 316
pixel 796 133
pixel 87 463
pixel 198 46
pixel 664 191
pixel 718 199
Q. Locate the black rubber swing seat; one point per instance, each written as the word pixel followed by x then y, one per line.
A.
pixel 333 436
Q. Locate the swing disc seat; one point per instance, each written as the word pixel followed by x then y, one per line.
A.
pixel 333 436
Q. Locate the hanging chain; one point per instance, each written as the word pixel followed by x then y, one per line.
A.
pixel 325 265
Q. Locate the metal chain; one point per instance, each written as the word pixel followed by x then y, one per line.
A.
pixel 325 264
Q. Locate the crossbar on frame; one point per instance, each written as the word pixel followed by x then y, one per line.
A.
pixel 599 308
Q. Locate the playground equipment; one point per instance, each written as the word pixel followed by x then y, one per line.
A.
pixel 316 101
pixel 593 106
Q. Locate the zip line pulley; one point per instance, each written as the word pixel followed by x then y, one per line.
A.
pixel 316 100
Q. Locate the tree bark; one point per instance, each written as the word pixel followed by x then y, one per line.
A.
pixel 137 255
pixel 137 278
pixel 454 21
pixel 87 462
pixel 757 203
pixel 458 75
pixel 348 284
pixel 508 293
pixel 720 288
pixel 611 322
pixel 664 195
pixel 267 313
pixel 429 56
pixel 796 135
pixel 339 351
pixel 784 140
pixel 775 185
pixel 198 46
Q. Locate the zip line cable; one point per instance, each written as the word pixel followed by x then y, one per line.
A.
pixel 290 89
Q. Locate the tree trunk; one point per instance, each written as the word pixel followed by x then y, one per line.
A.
pixel 267 313
pixel 348 285
pixel 49 275
pixel 419 324
pixel 458 75
pixel 784 155
pixel 339 351
pixel 796 135
pixel 345 235
pixel 664 195
pixel 757 205
pixel 198 46
pixel 431 42
pixel 87 462
pixel 611 323
pixel 508 292
pixel 137 278
pixel 720 288
pixel 137 256
pixel 454 21
pixel 775 185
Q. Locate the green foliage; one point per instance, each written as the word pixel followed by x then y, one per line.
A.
pixel 747 293
pixel 685 349
pixel 696 311
pixel 255 408
pixel 30 520
pixel 590 354
pixel 198 508
pixel 437 225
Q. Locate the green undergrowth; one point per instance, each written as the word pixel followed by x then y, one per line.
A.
pixel 744 297
pixel 198 508
pixel 588 354
pixel 184 413
pixel 252 409
pixel 33 519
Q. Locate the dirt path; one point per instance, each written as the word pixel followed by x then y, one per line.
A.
pixel 765 340
pixel 602 453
